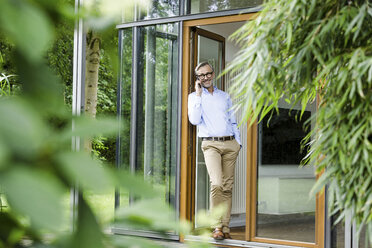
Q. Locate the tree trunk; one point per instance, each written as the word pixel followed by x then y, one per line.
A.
pixel 91 78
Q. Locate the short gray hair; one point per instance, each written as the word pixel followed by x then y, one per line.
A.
pixel 202 64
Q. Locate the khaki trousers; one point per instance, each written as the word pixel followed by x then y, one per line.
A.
pixel 220 158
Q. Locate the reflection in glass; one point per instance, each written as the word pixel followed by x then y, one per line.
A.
pixel 156 9
pixel 159 9
pixel 129 14
pixel 283 134
pixel 125 108
pixel 201 6
pixel 103 148
pixel 337 233
pixel 364 242
pixel 284 209
pixel 158 113
pixel 155 108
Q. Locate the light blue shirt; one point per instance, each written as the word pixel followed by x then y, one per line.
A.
pixel 212 114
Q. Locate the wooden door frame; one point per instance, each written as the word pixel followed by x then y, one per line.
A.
pixel 187 169
pixel 192 138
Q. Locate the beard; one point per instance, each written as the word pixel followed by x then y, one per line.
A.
pixel 207 83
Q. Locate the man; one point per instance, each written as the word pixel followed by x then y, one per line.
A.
pixel 210 109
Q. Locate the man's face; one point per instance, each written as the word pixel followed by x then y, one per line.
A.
pixel 205 76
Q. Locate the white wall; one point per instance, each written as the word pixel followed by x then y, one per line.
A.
pixel 225 30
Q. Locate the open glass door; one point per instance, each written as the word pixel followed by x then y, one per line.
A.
pixel 207 46
pixel 210 46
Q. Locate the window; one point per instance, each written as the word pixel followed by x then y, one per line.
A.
pixel 149 107
pixel 201 6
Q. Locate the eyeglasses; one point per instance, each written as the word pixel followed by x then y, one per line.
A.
pixel 206 75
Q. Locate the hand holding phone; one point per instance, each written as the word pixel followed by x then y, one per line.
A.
pixel 198 88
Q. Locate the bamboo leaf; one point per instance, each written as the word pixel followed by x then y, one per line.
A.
pixel 289 34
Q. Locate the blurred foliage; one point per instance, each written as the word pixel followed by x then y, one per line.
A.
pixel 7 66
pixel 5 86
pixel 37 166
pixel 8 81
pixel 159 9
pixel 105 147
pixel 60 56
pixel 323 48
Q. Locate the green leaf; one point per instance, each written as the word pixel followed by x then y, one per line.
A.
pixel 318 56
pixel 357 135
pixel 82 169
pixel 319 185
pixel 369 79
pixel 21 128
pixel 35 194
pixel 356 156
pixel 289 34
pixel 4 154
pixel 88 233
pixel 85 127
pixel 27 26
pixel 360 88
pixel 161 217
pixel 136 184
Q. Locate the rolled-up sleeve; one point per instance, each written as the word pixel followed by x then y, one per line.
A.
pixel 194 109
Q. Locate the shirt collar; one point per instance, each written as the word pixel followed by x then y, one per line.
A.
pixel 215 90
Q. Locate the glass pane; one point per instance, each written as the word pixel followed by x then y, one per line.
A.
pixel 100 101
pixel 284 209
pixel 159 9
pixel 105 148
pixel 157 108
pixel 201 6
pixel 337 233
pixel 155 9
pixel 129 14
pixel 364 242
pixel 126 105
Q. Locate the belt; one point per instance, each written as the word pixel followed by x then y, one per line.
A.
pixel 223 138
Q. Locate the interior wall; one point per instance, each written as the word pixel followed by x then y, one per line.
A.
pixel 225 30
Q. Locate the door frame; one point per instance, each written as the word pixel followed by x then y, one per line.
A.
pixel 187 168
pixel 195 33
